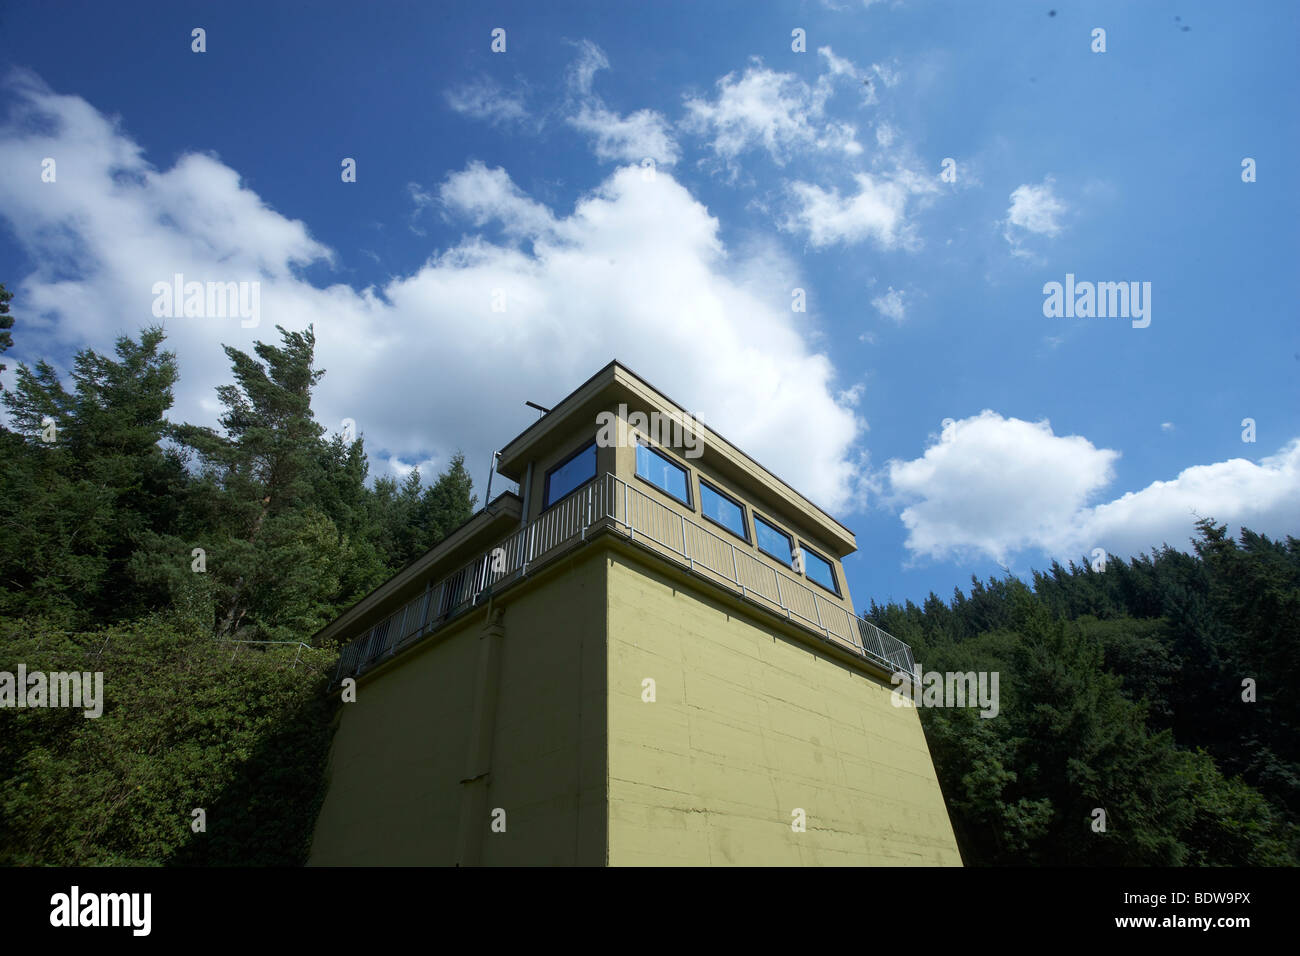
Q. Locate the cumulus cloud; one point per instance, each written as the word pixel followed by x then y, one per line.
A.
pixel 1035 210
pixel 482 196
pixel 1263 496
pixel 890 305
pixel 778 112
pixel 424 365
pixel 877 211
pixel 997 486
pixel 632 138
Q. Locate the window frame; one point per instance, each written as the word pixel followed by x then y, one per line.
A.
pixel 547 504
pixel 788 562
pixel 744 520
pixel 642 442
pixel 835 580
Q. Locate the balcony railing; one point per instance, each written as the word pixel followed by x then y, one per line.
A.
pixel 611 502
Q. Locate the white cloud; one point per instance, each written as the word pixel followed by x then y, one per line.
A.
pixel 635 137
pixel 485 100
pixel 484 195
pixel 582 72
pixel 890 305
pixel 777 112
pixel 1263 496
pixel 632 138
pixel 636 270
pixel 1036 210
pixel 877 211
pixel 997 486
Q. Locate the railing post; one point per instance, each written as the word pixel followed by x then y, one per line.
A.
pixel 735 572
pixel 686 550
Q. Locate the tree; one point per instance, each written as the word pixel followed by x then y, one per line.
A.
pixel 84 479
pixel 274 557
pixel 6 323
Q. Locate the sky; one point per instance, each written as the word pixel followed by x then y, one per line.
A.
pixel 828 228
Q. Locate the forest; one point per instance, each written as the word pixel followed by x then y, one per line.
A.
pixel 193 565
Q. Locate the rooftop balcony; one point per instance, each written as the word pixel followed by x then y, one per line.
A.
pixel 610 504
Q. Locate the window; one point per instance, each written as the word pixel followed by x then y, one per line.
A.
pixel 772 541
pixel 665 474
pixel 818 569
pixel 570 474
pixel 722 508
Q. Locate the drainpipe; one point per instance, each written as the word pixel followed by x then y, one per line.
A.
pixel 475 808
pixel 528 491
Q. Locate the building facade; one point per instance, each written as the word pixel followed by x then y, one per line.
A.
pixel 648 655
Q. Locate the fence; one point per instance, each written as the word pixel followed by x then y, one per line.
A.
pixel 610 501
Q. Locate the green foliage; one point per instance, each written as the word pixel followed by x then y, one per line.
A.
pixel 1122 690
pixel 240 731
pixel 84 477
pixel 99 519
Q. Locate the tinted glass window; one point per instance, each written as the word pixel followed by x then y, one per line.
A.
pixel 564 478
pixel 771 541
pixel 820 570
pixel 665 475
pixel 723 510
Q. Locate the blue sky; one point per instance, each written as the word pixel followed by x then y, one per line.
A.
pixel 525 171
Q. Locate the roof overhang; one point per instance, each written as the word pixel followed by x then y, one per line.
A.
pixel 617 383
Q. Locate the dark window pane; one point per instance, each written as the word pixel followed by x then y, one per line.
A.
pixel 578 470
pixel 661 472
pixel 722 510
pixel 774 542
pixel 820 570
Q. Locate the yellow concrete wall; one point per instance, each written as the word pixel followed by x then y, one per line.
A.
pixel 548 765
pixel 749 723
pixel 395 795
pixel 747 726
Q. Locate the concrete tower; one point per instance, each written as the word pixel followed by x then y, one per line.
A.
pixel 647 656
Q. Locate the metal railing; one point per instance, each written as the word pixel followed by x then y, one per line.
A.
pixel 610 501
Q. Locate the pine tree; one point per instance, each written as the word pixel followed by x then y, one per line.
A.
pixel 6 323
pixel 274 557
pixel 84 480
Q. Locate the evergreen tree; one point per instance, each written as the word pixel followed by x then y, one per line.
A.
pixel 86 481
pixel 274 557
pixel 6 323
